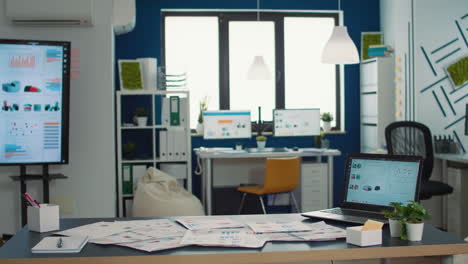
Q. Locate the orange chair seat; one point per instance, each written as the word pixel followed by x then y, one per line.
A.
pixel 258 189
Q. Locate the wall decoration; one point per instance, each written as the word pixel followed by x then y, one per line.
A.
pixel 458 72
pixel 367 39
pixel 130 73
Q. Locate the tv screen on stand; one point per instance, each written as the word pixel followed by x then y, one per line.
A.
pixel 34 98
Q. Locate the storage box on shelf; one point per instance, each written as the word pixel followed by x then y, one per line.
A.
pixel 165 139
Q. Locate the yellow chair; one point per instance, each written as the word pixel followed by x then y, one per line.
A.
pixel 281 176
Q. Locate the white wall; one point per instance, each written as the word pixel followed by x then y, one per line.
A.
pixel 90 189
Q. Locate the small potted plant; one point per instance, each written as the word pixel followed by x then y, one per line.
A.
pixel 395 219
pixel 414 216
pixel 326 119
pixel 261 142
pixel 129 150
pixel 140 117
pixel 203 106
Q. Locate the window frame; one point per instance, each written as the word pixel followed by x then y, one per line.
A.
pixel 224 17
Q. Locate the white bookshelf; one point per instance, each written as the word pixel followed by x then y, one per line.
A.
pixel 377 102
pixel 155 160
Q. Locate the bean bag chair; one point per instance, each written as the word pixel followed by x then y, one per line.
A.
pixel 158 194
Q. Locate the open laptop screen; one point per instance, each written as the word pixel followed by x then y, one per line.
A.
pixel 381 181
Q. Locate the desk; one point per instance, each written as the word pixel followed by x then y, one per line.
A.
pixel 459 195
pixel 434 243
pixel 208 156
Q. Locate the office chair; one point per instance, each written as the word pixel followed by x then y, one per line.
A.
pixel 281 176
pixel 413 138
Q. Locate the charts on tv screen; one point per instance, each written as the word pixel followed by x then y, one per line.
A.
pixel 31 97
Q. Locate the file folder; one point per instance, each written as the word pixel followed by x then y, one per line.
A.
pixel 174 108
pixel 171 153
pixel 165 111
pixel 127 179
pixel 163 145
pixel 183 112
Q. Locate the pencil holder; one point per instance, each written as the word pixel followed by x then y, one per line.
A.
pixel 43 219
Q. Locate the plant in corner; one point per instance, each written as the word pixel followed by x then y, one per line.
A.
pixel 326 117
pixel 140 117
pixel 203 106
pixel 414 215
pixel 395 218
pixel 261 142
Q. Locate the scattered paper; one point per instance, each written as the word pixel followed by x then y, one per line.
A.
pixel 155 244
pixel 204 223
pixel 372 225
pixel 223 238
pixel 278 226
pixel 124 237
pixel 321 231
pixel 278 237
pixel 93 231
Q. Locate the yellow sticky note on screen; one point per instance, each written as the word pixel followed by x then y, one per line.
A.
pixel 372 225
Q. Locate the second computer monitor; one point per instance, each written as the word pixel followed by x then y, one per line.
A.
pixel 296 122
pixel 225 124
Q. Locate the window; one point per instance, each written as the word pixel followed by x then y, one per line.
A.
pixel 217 48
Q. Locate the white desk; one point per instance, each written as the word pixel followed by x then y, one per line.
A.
pixel 207 156
pixel 459 190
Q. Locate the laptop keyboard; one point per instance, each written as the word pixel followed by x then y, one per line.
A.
pixel 345 212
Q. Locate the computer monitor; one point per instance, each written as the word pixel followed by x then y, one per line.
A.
pixel 296 122
pixel 34 97
pixel 225 124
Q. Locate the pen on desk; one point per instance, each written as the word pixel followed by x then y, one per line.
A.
pixel 59 243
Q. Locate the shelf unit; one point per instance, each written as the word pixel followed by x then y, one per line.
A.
pixel 377 102
pixel 154 126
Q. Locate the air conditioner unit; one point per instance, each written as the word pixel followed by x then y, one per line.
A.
pixel 124 16
pixel 50 12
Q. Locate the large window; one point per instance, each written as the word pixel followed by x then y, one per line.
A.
pixel 217 48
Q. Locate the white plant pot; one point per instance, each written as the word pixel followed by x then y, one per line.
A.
pixel 395 228
pixel 200 128
pixel 142 121
pixel 415 231
pixel 261 144
pixel 326 126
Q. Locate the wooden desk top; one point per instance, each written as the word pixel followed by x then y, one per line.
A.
pixel 232 154
pixel 435 243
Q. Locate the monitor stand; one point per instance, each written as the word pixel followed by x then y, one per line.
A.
pixel 45 177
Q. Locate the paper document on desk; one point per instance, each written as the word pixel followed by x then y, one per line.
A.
pixel 321 231
pixel 224 238
pixel 159 228
pixel 205 223
pixel 278 237
pixel 278 226
pixel 124 237
pixel 155 244
pixel 95 230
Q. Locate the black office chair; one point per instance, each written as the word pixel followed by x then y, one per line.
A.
pixel 412 138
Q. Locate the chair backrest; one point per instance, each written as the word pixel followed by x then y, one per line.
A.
pixel 281 174
pixel 411 138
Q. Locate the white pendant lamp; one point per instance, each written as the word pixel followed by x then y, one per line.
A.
pixel 258 70
pixel 340 48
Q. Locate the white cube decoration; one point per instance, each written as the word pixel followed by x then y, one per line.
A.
pixel 355 236
pixel 43 219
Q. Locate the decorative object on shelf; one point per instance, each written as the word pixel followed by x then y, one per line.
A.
pixel 414 215
pixel 171 80
pixel 258 70
pixel 140 117
pixel 130 73
pixel 261 142
pixel 149 73
pixel 129 150
pixel 340 48
pixel 395 219
pixel 458 72
pixel 203 107
pixel 326 119
pixel 369 39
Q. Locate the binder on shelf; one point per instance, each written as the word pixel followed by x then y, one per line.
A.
pixel 137 172
pixel 127 180
pixel 174 110
pixel 183 112
pixel 181 143
pixel 165 111
pixel 171 153
pixel 163 145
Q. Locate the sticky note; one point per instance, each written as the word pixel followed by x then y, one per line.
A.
pixel 372 225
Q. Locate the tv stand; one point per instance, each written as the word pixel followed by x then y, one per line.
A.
pixel 45 177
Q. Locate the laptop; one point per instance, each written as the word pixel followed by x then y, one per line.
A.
pixel 372 182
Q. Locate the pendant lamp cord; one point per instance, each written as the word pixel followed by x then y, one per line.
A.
pixel 258 10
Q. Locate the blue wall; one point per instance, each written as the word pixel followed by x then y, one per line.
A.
pixel 359 16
